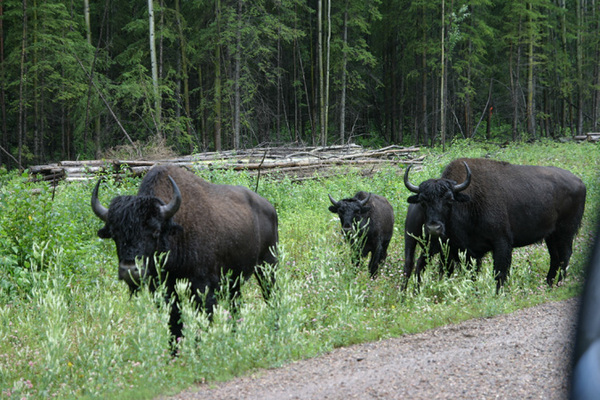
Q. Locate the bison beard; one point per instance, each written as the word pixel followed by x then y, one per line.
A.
pixel 208 231
pixel 500 206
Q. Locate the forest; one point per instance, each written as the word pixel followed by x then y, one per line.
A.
pixel 78 79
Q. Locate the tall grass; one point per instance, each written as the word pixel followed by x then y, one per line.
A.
pixel 69 329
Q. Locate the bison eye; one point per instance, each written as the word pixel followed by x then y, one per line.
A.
pixel 156 234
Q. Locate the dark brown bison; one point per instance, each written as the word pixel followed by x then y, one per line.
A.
pixel 416 236
pixel 498 206
pixel 208 231
pixel 373 217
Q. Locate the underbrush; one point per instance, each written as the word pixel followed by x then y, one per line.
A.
pixel 69 329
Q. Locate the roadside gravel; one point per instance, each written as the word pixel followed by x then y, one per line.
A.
pixel 524 355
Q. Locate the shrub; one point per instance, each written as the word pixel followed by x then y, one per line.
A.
pixel 69 329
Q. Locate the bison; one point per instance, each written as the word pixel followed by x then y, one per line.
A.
pixel 373 217
pixel 498 206
pixel 207 231
pixel 415 235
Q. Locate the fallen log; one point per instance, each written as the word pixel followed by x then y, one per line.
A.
pixel 288 160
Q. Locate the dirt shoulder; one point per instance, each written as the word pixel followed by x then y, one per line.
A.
pixel 524 355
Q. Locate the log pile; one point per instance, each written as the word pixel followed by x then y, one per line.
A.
pixel 297 162
pixel 589 137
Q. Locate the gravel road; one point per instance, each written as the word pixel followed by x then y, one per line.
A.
pixel 524 355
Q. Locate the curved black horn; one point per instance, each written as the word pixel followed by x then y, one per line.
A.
pixel 466 183
pixel 168 210
pixel 100 211
pixel 333 201
pixel 366 200
pixel 410 186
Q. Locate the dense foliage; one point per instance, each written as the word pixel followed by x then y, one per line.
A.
pixel 69 329
pixel 80 78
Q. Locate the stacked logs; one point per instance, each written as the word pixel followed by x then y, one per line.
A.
pixel 589 137
pixel 297 162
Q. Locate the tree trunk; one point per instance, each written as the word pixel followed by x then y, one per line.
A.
pixel 296 77
pixel 443 82
pixel 398 94
pixel 311 114
pixel 468 107
pixel 343 83
pixel 514 72
pixel 530 83
pixel 321 71
pixel 579 68
pixel 563 102
pixel 154 65
pixel 596 89
pixel 424 119
pixel 236 79
pixel 36 89
pixel 3 127
pixel 184 72
pixel 218 115
pixel 86 17
pixel 203 118
pixel 327 68
pixel 22 107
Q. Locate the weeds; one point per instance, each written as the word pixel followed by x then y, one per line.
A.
pixel 69 329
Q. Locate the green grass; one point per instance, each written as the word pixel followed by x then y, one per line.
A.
pixel 69 329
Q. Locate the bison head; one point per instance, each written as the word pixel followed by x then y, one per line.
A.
pixel 437 196
pixel 352 212
pixel 140 227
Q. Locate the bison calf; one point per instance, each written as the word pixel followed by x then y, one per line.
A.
pixel 498 206
pixel 208 231
pixel 373 217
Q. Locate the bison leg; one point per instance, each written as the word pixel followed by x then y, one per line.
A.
pixel 175 323
pixel 384 254
pixel 410 245
pixel 355 258
pixel 421 263
pixel 265 271
pixel 376 258
pixel 502 260
pixel 203 295
pixel 266 279
pixel 234 284
pixel 560 250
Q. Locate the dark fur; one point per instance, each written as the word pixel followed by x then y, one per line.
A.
pixel 376 216
pixel 218 230
pixel 504 207
pixel 414 235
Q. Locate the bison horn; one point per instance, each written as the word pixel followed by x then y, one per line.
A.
pixel 333 201
pixel 366 200
pixel 100 211
pixel 410 186
pixel 168 210
pixel 462 186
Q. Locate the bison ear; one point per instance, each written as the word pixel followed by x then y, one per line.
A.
pixel 365 209
pixel 104 233
pixel 461 197
pixel 334 209
pixel 413 199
